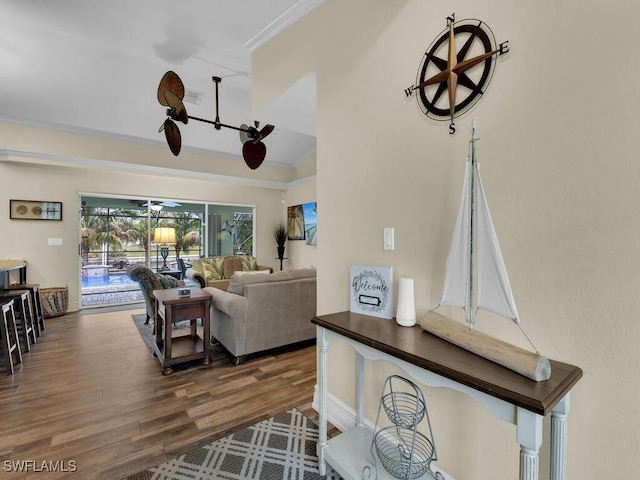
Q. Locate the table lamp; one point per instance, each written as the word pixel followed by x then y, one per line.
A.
pixel 164 236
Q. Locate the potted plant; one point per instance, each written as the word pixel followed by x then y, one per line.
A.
pixel 280 234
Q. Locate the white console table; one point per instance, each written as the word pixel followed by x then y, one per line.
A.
pixel 437 363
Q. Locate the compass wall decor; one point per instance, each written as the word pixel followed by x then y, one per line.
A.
pixel 452 79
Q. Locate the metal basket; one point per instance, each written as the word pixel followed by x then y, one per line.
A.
pixel 403 409
pixel 404 452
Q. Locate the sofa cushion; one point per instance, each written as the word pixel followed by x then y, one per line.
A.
pixel 237 282
pixel 232 264
pixel 213 268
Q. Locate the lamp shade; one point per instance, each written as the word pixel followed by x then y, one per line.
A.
pixel 164 235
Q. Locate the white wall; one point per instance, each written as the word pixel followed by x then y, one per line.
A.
pixel 559 151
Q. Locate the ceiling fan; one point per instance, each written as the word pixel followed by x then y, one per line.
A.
pixel 170 94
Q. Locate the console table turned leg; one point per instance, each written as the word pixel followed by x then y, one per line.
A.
pixel 529 435
pixel 559 440
pixel 323 346
pixel 528 464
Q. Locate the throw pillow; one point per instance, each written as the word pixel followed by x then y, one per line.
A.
pixel 249 263
pixel 213 268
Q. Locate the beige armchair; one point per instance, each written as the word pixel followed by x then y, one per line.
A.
pixel 217 271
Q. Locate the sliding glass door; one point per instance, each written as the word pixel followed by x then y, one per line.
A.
pixel 116 232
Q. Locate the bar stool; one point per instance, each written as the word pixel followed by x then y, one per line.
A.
pixel 9 337
pixel 22 306
pixel 34 289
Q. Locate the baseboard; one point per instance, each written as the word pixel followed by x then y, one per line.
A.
pixel 343 417
pixel 339 414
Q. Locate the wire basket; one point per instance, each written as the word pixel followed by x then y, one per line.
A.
pixel 403 409
pixel 55 301
pixel 404 452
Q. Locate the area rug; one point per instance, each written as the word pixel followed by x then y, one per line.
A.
pixel 146 329
pixel 280 448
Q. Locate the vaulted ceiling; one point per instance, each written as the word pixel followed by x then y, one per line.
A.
pixel 94 67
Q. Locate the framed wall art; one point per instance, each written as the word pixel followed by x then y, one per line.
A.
pixel 295 220
pixel 34 210
pixel 372 291
pixel 310 211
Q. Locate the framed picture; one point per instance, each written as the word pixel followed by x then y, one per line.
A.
pixel 372 291
pixel 34 210
pixel 310 213
pixel 295 220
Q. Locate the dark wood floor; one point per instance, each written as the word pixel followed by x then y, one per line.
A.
pixel 91 393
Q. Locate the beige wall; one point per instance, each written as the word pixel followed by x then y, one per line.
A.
pixel 300 254
pixel 559 153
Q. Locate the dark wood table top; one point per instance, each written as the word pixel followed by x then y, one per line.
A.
pixel 425 350
pixel 169 296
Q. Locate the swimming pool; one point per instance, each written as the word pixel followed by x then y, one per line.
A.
pixel 112 280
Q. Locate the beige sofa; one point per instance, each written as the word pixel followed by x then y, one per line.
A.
pixel 217 271
pixel 264 311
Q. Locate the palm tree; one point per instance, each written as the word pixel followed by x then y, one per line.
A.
pixel 187 225
pixel 111 230
pixel 100 231
pixel 115 229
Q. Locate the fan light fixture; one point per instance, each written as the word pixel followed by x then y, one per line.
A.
pixel 171 91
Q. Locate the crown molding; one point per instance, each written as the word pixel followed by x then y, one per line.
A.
pixel 66 161
pixel 75 130
pixel 60 160
pixel 284 21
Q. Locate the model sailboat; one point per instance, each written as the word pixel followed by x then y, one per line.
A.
pixel 475 239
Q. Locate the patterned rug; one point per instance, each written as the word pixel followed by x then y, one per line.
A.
pixel 280 448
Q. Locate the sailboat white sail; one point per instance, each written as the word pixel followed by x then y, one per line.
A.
pixel 475 247
pixel 474 231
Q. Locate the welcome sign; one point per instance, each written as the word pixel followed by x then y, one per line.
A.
pixel 372 290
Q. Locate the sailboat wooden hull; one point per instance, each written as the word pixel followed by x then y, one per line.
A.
pixel 514 358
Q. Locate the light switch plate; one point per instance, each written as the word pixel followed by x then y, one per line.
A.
pixel 388 238
pixel 54 242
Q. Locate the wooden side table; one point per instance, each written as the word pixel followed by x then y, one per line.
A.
pixel 171 308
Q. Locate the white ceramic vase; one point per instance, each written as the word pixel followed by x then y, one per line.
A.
pixel 406 313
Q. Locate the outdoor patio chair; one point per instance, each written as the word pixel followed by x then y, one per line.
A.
pixel 182 267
